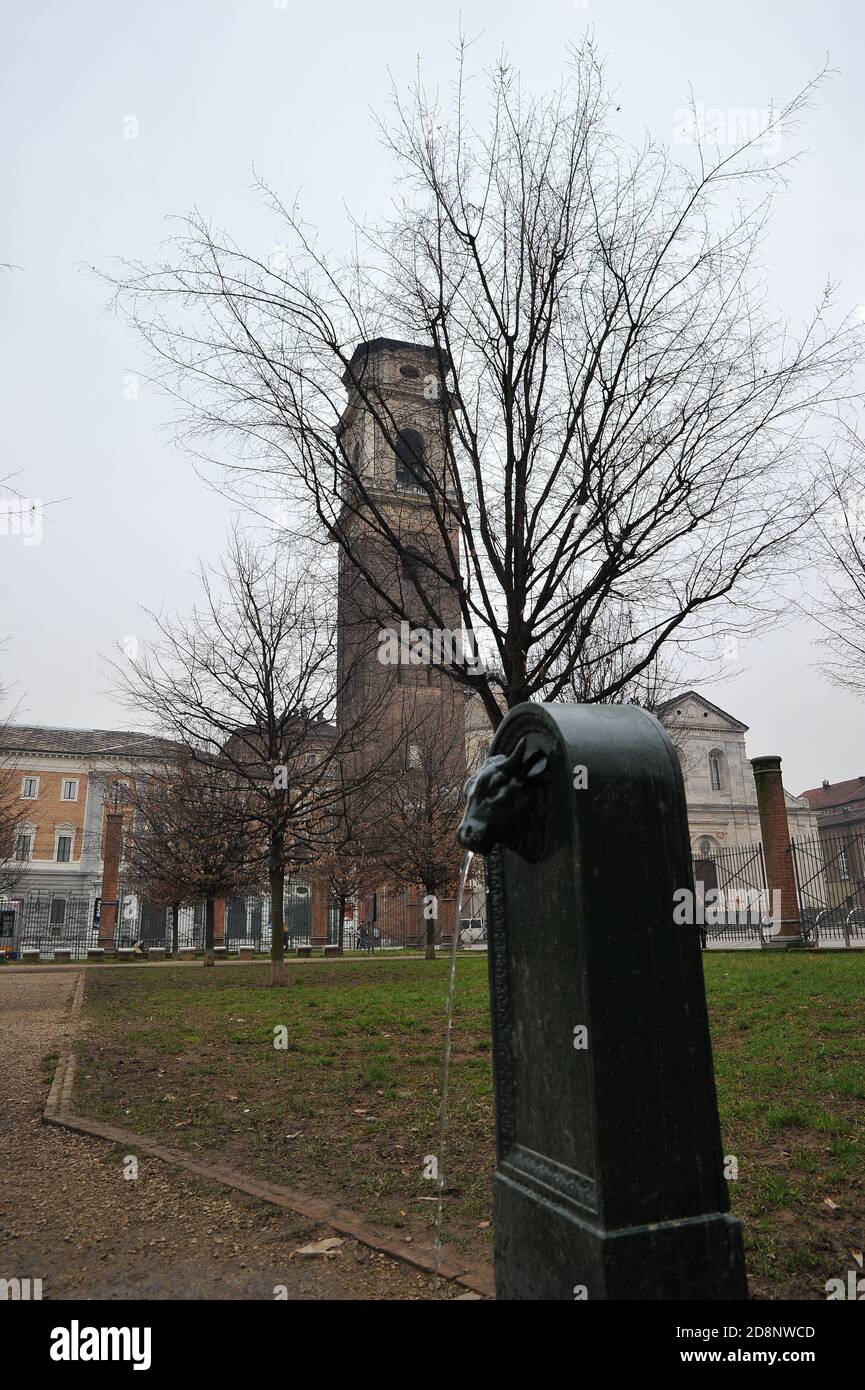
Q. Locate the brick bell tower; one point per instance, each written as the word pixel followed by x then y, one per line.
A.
pixel 394 478
pixel 400 708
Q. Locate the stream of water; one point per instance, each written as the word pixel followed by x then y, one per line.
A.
pixel 446 1062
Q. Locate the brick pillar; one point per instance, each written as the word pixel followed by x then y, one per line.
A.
pixel 112 847
pixel 447 920
pixel 319 913
pixel 775 834
pixel 219 922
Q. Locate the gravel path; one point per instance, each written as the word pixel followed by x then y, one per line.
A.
pixel 70 1218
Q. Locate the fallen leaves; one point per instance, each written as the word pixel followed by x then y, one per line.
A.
pixel 327 1247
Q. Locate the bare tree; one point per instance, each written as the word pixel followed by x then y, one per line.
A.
pixel 12 867
pixel 247 684
pixel 595 670
pixel 411 831
pixel 188 843
pixel 839 546
pixel 345 860
pixel 627 423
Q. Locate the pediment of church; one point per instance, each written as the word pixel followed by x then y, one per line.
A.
pixel 692 711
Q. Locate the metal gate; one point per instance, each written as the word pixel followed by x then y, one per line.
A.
pixel 830 883
pixel 731 894
pixel 248 920
pixel 154 925
pixel 297 915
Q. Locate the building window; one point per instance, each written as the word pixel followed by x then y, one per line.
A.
pixel 69 790
pixel 63 851
pixel 23 847
pixel 716 771
pixel 410 462
pixel 58 912
pixel 409 371
pixel 29 788
pixel 843 867
pixel 706 846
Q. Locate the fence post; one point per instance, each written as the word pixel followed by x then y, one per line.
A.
pixel 109 905
pixel 320 911
pixel 609 1176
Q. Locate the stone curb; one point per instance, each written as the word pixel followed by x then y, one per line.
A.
pixel 46 966
pixel 60 1094
pixel 448 1265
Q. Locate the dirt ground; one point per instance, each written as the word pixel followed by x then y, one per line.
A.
pixel 70 1218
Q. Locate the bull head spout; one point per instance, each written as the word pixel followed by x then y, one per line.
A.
pixel 502 801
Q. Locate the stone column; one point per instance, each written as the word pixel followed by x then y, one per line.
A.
pixel 112 847
pixel 775 834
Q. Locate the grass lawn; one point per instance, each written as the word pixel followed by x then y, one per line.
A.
pixel 350 1107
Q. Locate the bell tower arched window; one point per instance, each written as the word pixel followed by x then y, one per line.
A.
pixel 410 462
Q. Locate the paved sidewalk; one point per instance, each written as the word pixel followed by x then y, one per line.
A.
pixel 70 1218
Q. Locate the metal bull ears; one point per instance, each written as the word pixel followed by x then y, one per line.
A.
pixel 609 1171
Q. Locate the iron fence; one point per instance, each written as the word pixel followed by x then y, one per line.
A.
pixel 731 896
pixel 51 922
pixel 388 919
pixel 830 884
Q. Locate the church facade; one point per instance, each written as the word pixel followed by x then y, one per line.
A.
pixel 719 781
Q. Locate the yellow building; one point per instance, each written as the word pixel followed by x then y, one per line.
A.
pixel 58 790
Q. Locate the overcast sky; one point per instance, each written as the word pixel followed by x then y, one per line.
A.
pixel 217 86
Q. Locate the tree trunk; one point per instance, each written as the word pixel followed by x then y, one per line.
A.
pixel 430 922
pixel 209 915
pixel 175 929
pixel 276 875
